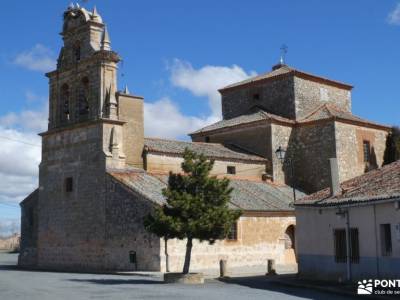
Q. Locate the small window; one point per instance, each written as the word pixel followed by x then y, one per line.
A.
pixel 386 239
pixel 232 235
pixel 69 184
pixel 231 170
pixel 207 139
pixel 366 151
pixel 256 96
pixel 340 245
pixel 132 257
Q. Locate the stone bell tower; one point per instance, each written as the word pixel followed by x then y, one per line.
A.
pixel 92 128
pixel 84 85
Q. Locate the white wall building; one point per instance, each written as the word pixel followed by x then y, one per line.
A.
pixel 365 211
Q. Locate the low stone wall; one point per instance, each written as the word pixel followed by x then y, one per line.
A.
pixel 259 239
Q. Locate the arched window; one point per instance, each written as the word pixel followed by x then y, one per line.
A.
pixel 289 237
pixel 65 106
pixel 83 102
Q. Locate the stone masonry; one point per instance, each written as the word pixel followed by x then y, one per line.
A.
pixel 99 177
pixel 306 115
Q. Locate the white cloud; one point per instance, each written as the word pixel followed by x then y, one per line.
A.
pixel 206 81
pixel 27 120
pixel 39 58
pixel 394 16
pixel 20 152
pixel 163 119
pixel 19 159
pixel 9 227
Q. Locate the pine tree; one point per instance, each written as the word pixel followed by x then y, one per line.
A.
pixel 392 151
pixel 196 206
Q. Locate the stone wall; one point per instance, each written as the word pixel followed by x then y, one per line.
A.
pixel 29 230
pixel 313 146
pixel 281 136
pixel 310 94
pixel 291 97
pixel 349 149
pixel 131 111
pixel 159 163
pixel 255 138
pixel 259 239
pixel 276 97
pixel 124 230
pixel 71 224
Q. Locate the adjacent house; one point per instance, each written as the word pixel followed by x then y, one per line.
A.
pixel 352 230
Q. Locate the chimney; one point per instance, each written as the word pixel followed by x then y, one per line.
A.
pixel 334 177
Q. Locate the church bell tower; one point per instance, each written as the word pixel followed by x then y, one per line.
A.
pixel 84 86
pixel 93 128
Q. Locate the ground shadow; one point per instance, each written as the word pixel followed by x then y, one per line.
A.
pixel 9 267
pixel 270 284
pixel 117 281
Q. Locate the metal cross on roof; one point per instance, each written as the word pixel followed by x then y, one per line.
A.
pixel 284 50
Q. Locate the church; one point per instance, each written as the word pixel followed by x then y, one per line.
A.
pixel 100 176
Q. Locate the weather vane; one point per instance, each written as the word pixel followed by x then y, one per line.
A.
pixel 284 50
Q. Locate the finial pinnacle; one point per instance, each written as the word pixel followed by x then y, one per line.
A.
pixel 106 42
pixel 126 90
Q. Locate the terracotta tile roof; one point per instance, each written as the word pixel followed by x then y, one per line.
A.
pixel 210 150
pixel 258 116
pixel 323 112
pixel 379 184
pixel 247 195
pixel 285 70
pixel 331 111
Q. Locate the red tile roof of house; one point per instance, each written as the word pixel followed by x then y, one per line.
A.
pixel 379 184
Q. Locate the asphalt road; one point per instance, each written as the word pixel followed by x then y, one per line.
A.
pixel 17 284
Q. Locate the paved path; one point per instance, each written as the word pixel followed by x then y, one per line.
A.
pixel 16 284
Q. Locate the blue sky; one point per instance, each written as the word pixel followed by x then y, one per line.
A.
pixel 177 53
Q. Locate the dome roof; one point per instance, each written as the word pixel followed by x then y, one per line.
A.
pixel 76 15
